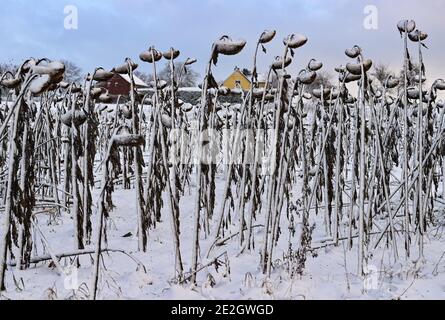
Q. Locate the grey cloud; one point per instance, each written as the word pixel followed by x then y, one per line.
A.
pixel 111 30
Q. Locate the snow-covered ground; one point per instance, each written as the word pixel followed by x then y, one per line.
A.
pixel 331 274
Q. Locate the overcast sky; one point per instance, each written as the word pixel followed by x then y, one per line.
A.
pixel 110 30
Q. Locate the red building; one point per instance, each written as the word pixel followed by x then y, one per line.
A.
pixel 119 84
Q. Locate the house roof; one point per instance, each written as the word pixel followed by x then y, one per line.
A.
pixel 239 72
pixel 137 81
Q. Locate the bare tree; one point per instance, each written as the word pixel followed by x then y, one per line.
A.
pixel 143 76
pixel 324 78
pixel 73 73
pixel 5 67
pixel 382 72
pixel 186 76
pixel 412 72
pixel 8 66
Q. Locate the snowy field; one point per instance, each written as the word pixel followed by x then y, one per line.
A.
pixel 331 274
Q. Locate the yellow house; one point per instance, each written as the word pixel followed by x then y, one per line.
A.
pixel 236 80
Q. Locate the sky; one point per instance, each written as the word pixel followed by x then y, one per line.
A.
pixel 108 31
